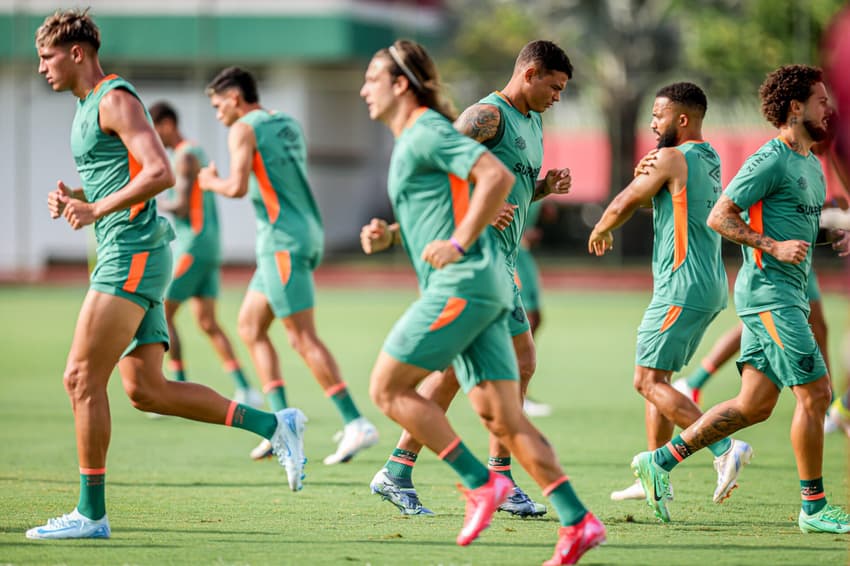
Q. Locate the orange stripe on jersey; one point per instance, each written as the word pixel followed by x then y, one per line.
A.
pixel 415 116
pixel 757 225
pixel 196 207
pixel 767 320
pixel 454 306
pixel 105 79
pixel 134 167
pixel 672 315
pixel 266 190
pixel 284 265
pixel 517 280
pixel 137 270
pixel 680 227
pixel 183 264
pixel 460 197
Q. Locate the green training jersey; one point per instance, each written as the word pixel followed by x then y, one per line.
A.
pixel 687 266
pixel 781 193
pixel 106 166
pixel 197 233
pixel 429 192
pixel 287 215
pixel 519 145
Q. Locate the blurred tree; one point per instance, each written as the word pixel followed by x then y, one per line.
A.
pixel 732 44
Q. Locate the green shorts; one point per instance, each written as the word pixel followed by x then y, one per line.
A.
pixel 669 335
pixel 517 319
pixel 286 281
pixel 141 278
pixel 813 290
pixel 438 331
pixel 193 277
pixel 780 344
pixel 529 280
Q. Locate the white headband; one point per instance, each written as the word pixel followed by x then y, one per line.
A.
pixel 407 72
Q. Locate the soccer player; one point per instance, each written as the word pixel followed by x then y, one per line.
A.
pixel 268 162
pixel 690 286
pixel 780 192
pixel 196 276
pixel 460 318
pixel 123 166
pixel 508 122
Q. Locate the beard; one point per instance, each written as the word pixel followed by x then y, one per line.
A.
pixel 667 138
pixel 815 131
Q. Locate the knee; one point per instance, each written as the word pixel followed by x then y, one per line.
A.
pixel 76 380
pixel 141 396
pixel 248 330
pixel 642 384
pixel 527 367
pixel 381 396
pixel 208 325
pixel 819 398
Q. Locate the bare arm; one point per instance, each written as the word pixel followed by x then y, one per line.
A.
pixel 670 167
pixel 186 171
pixel 122 114
pixel 479 122
pixel 725 219
pixel 493 182
pixel 241 144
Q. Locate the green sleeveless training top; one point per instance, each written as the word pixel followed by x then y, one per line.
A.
pixel 429 192
pixel 519 146
pixel 287 215
pixel 687 267
pixel 781 193
pixel 197 233
pixel 105 166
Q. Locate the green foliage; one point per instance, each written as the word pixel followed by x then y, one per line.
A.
pixel 185 493
pixel 732 45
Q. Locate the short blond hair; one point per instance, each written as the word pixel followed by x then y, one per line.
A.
pixel 68 26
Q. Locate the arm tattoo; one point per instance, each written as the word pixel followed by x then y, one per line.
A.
pixel 479 122
pixel 714 426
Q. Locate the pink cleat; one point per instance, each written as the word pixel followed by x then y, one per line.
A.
pixel 575 540
pixel 481 504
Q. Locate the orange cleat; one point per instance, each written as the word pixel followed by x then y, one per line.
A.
pixel 481 504
pixel 577 539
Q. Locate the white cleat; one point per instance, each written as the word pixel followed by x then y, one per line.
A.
pixel 288 445
pixel 356 436
pixel 728 466
pixel 250 397
pixel 681 385
pixel 535 408
pixel 837 418
pixel 635 491
pixel 262 451
pixel 72 525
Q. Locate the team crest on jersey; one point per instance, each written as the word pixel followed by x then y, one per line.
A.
pixel 715 174
pixel 520 143
pixel 802 183
pixel 289 134
pixel 807 363
pixel 84 128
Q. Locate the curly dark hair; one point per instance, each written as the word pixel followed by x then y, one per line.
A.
pixel 234 77
pixel 688 95
pixel 791 82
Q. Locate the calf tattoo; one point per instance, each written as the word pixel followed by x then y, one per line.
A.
pixel 714 426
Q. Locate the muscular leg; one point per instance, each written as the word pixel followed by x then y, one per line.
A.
pixel 526 357
pixel 659 429
pixel 204 310
pixel 255 319
pixel 807 426
pixel 301 331
pixel 654 386
pixel 441 387
pixel 753 404
pixel 175 351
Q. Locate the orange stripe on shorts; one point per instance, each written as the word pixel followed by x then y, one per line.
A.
pixel 183 264
pixel 137 270
pixel 284 265
pixel 454 306
pixel 767 320
pixel 670 319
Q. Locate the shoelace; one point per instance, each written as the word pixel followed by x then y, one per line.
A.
pixel 836 514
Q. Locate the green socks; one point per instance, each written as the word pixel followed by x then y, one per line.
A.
pixel 501 466
pixel 814 498
pixel 178 373
pixel 565 501
pixel 720 447
pixel 697 379
pixel 232 366
pixel 400 464
pixel 671 453
pixel 275 395
pixel 473 474
pixel 343 402
pixel 92 503
pixel 249 418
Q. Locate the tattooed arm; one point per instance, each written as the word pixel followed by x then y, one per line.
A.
pixel 480 122
pixel 725 219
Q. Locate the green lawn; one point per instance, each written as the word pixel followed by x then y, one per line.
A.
pixel 186 493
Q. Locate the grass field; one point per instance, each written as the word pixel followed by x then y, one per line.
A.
pixel 186 493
